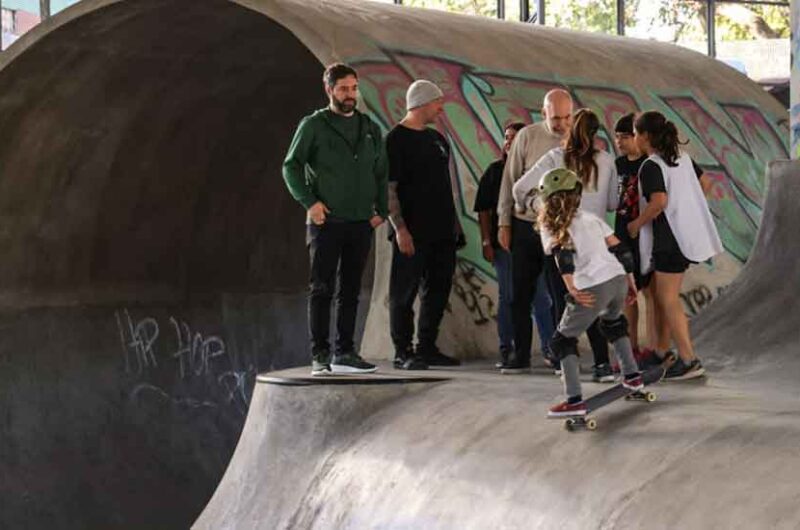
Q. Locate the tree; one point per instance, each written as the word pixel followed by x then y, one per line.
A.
pixel 467 7
pixel 675 20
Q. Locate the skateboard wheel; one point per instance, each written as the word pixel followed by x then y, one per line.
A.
pixel 650 397
pixel 591 424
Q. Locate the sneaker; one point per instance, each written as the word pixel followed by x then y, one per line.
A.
pixel 643 357
pixel 602 373
pixel 321 365
pixel 566 408
pixel 503 359
pixel 400 356
pixel 351 363
pixel 653 360
pixel 436 358
pixel 551 361
pixel 515 366
pixel 412 362
pixel 635 383
pixel 680 371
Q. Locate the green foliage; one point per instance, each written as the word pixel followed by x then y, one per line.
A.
pixel 468 7
pixel 584 15
pixel 686 18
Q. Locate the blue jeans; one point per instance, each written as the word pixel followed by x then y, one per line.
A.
pixel 541 311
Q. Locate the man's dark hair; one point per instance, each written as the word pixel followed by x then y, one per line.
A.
pixel 515 126
pixel 624 125
pixel 337 71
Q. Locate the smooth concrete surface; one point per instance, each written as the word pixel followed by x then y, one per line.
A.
pixel 153 263
pixel 477 452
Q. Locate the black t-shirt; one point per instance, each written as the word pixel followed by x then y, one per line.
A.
pixel 489 193
pixel 348 126
pixel 652 180
pixel 419 162
pixel 628 207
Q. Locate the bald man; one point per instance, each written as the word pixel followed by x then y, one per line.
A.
pixel 516 231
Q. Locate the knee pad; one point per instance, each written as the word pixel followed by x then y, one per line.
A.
pixel 613 330
pixel 561 346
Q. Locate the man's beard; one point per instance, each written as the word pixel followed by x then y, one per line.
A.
pixel 345 106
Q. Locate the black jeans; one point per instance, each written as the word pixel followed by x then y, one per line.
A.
pixel 343 247
pixel 428 272
pixel 558 292
pixel 527 260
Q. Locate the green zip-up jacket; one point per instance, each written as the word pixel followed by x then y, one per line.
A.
pixel 323 165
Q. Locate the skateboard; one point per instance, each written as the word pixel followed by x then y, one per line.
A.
pixel 600 400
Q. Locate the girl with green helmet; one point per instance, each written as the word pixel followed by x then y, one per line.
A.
pixel 597 271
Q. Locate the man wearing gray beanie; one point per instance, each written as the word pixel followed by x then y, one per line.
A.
pixel 426 232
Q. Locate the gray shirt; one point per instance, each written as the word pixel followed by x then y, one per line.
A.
pixel 530 144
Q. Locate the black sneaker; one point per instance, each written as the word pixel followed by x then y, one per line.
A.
pixel 680 371
pixel 552 362
pixel 350 363
pixel 503 359
pixel 413 362
pixel 436 358
pixel 400 356
pixel 654 360
pixel 516 366
pixel 321 364
pixel 602 373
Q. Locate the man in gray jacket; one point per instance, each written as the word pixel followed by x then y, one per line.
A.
pixel 516 232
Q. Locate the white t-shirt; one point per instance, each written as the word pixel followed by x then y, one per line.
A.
pixel 594 263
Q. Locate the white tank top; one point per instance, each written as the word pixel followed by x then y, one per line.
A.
pixel 687 213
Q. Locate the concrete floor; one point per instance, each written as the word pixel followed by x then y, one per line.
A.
pixel 476 451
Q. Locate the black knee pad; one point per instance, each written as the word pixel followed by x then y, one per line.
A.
pixel 562 346
pixel 613 330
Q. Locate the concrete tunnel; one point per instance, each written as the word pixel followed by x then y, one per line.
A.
pixel 154 264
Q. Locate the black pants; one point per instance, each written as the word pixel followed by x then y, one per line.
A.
pixel 343 247
pixel 558 292
pixel 428 272
pixel 527 261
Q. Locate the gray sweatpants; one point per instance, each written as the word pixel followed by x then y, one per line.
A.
pixel 608 304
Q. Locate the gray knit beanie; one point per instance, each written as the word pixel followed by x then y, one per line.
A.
pixel 421 92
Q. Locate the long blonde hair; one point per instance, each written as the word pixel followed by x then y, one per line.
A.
pixel 557 213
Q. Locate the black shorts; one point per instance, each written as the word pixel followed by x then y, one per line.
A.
pixel 670 262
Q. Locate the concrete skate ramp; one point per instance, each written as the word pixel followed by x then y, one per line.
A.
pixel 476 451
pixel 753 330
pixel 153 263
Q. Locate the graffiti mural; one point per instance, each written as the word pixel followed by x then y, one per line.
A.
pixel 732 143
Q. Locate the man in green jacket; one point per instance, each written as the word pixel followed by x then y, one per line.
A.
pixel 336 168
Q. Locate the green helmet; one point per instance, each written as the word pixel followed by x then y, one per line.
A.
pixel 559 179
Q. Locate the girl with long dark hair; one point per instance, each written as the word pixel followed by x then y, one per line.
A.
pixel 597 173
pixel 675 229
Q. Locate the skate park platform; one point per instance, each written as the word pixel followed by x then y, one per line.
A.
pixel 475 451
pixel 154 272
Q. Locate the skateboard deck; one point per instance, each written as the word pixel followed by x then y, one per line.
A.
pixel 601 399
